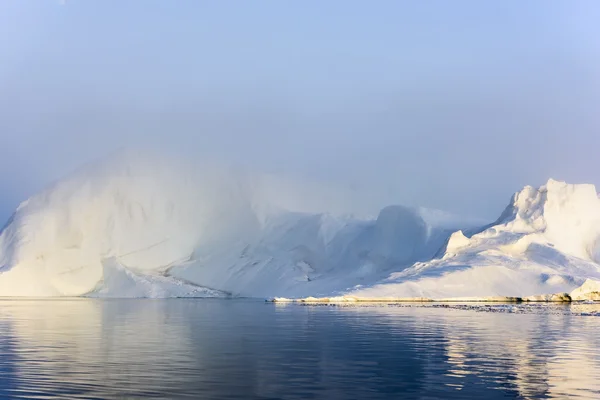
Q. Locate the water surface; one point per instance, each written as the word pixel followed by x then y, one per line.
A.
pixel 242 349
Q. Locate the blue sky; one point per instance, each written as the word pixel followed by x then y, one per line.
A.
pixel 447 104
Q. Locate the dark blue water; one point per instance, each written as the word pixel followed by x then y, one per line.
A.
pixel 235 349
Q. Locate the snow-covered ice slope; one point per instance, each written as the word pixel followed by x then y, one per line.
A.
pixel 146 213
pixel 546 241
pixel 150 226
pixel 303 254
pixel 143 226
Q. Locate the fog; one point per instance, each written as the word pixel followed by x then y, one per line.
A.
pixel 450 105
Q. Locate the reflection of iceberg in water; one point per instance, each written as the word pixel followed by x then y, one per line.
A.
pixel 88 348
pixel 574 372
pixel 537 356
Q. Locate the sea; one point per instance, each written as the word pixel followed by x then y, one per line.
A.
pixel 251 349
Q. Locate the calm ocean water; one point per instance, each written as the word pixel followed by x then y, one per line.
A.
pixel 242 349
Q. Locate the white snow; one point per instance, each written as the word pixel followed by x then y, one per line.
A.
pixel 119 281
pixel 139 226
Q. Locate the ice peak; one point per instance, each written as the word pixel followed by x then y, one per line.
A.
pixel 567 216
pixel 555 197
pixel 561 188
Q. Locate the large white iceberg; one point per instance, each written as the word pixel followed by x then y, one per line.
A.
pixel 545 241
pixel 138 226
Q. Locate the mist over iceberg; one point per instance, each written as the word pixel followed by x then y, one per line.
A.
pixel 142 225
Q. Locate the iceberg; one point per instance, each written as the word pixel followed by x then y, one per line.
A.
pixel 545 241
pixel 590 290
pixel 140 226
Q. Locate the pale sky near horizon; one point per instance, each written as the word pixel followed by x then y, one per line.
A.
pixel 446 104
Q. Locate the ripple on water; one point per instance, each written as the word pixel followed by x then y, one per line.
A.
pixel 234 349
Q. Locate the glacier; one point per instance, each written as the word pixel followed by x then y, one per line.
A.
pixel 147 226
